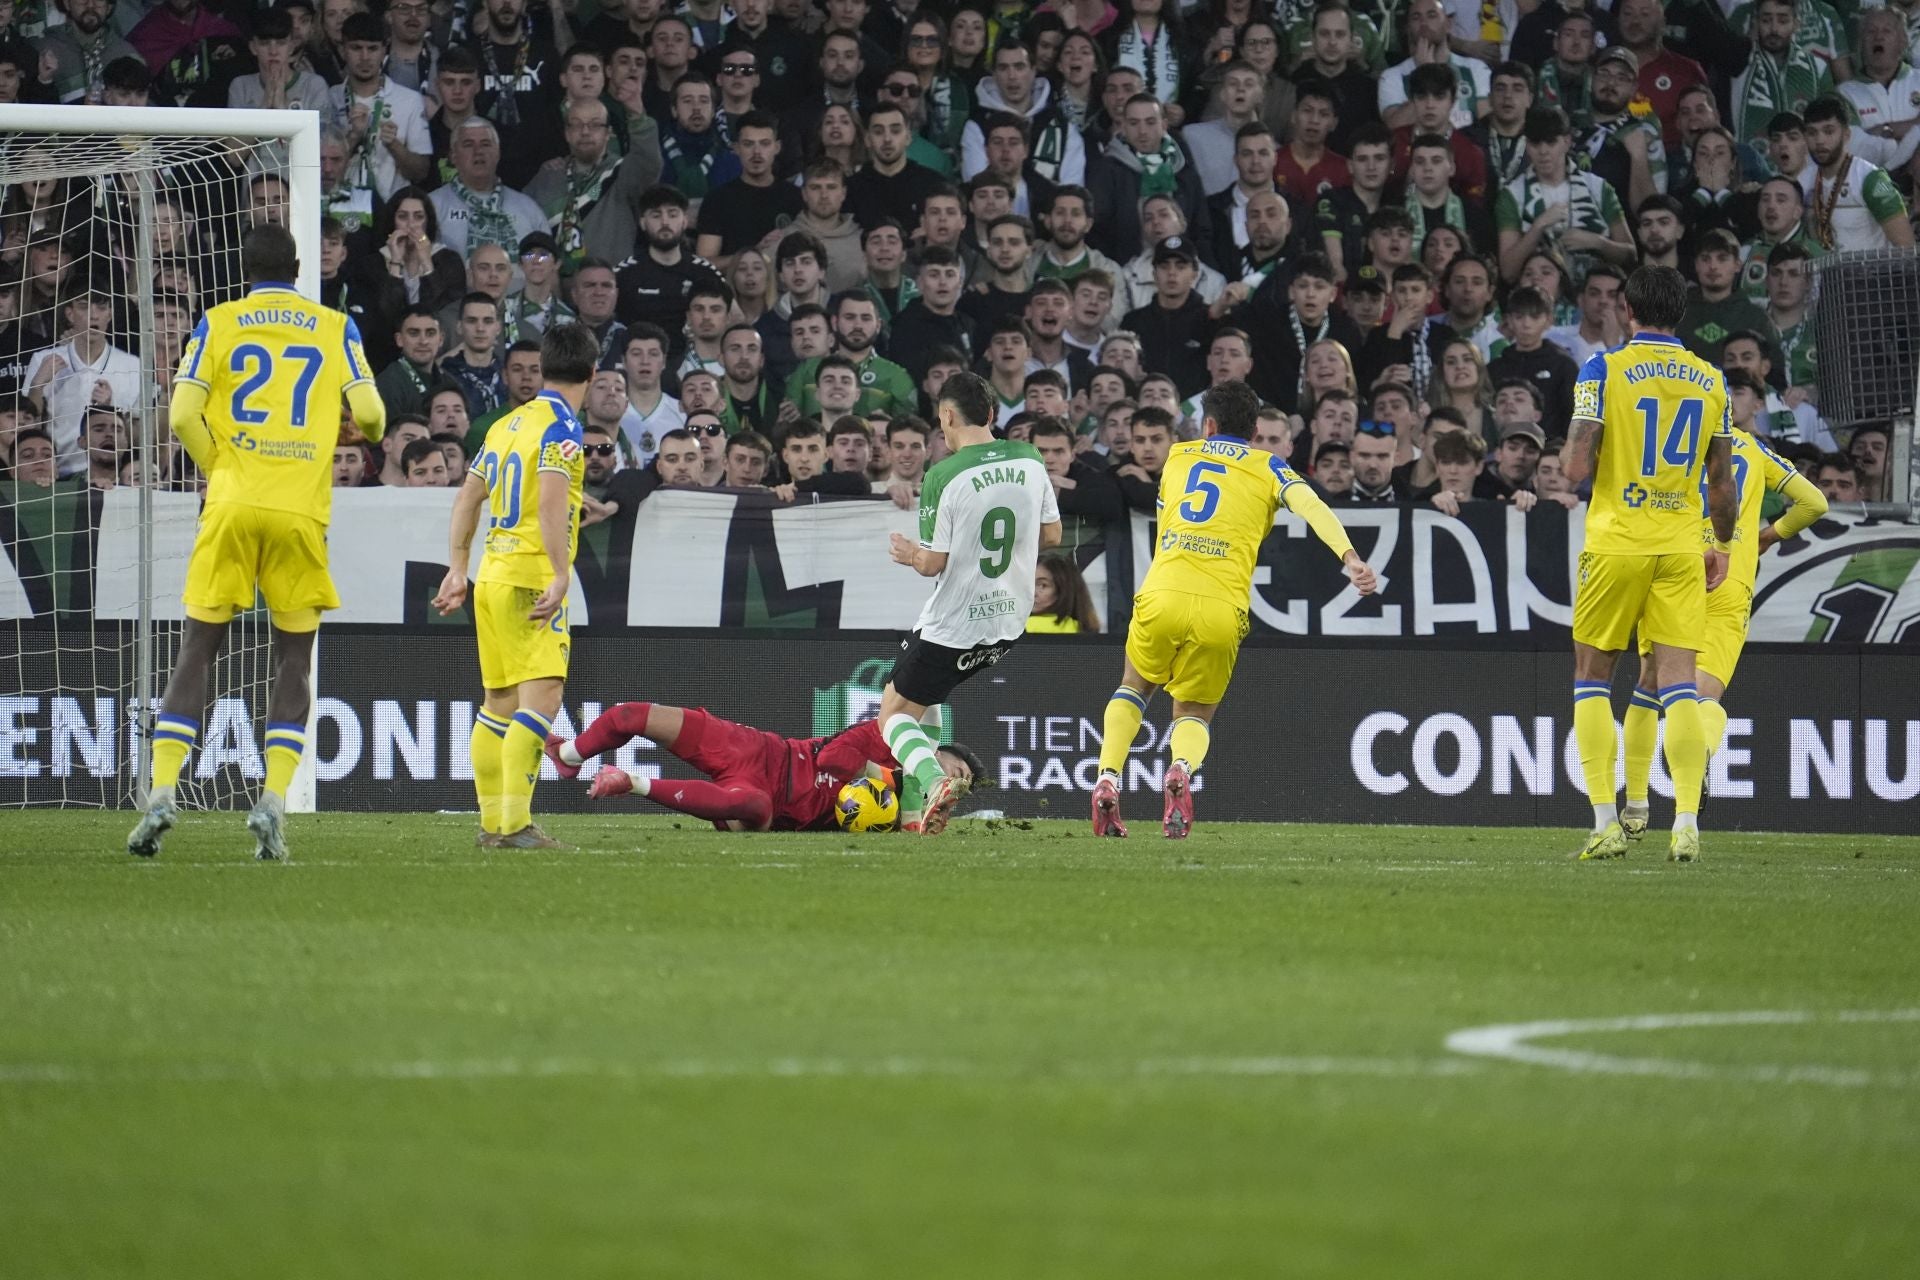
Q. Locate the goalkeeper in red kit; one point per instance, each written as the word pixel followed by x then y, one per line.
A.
pixel 758 781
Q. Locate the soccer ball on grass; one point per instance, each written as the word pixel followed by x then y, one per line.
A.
pixel 867 804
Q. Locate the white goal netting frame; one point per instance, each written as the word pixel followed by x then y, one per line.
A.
pixel 82 669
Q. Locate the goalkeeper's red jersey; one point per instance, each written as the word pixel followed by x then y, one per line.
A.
pixel 802 775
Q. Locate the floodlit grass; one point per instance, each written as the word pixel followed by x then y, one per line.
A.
pixel 1011 1052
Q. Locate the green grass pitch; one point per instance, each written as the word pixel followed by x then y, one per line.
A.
pixel 1011 1052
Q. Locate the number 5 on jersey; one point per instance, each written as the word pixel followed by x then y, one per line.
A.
pixel 1201 488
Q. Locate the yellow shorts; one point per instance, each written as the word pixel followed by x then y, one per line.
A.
pixel 242 552
pixel 513 648
pixel 1726 634
pixel 1187 643
pixel 1664 595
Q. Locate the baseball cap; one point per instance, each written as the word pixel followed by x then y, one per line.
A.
pixel 1527 429
pixel 539 240
pixel 1174 247
pixel 1618 53
pixel 1366 280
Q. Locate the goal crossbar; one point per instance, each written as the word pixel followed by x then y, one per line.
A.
pixel 143 143
pixel 300 130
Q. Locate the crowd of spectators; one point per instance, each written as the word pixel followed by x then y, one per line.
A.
pixel 1404 222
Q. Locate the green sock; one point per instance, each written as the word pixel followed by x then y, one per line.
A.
pixel 913 749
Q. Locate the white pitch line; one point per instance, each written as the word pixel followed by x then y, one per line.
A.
pixel 1513 1042
pixel 785 1068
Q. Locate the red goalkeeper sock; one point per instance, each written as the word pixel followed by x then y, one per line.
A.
pixel 613 729
pixel 709 800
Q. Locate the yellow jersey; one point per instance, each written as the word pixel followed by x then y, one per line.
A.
pixel 1757 470
pixel 274 366
pixel 541 435
pixel 1218 497
pixel 1658 406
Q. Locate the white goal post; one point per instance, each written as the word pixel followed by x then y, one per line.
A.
pixel 107 171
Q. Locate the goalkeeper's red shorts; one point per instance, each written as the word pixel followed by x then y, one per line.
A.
pixel 733 755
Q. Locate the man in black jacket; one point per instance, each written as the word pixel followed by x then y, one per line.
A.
pixel 782 57
pixel 933 319
pixel 1175 328
pixel 1139 476
pixel 1286 317
pixel 803 455
pixel 1142 160
pixel 1088 496
pixel 1371 453
pixel 654 285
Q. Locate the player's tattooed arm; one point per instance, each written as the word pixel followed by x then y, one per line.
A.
pixel 1582 447
pixel 1723 501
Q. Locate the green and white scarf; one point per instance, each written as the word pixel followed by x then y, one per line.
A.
pixel 1585 212
pixel 1772 85
pixel 1155 59
pixel 1456 215
pixel 1158 171
pixel 1798 350
pixel 488 221
pixel 1302 341
pixel 689 172
pixel 583 192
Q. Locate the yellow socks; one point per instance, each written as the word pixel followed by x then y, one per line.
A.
pixel 484 745
pixel 520 753
pixel 1125 709
pixel 1714 717
pixel 1686 748
pixel 173 739
pixel 285 744
pixel 1187 741
pixel 1593 730
pixel 1642 731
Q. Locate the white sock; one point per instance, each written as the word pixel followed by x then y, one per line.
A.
pixel 1686 822
pixel 159 796
pixel 569 755
pixel 1603 814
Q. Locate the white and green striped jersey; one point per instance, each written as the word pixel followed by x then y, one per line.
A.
pixel 1592 205
pixel 1849 217
pixel 983 507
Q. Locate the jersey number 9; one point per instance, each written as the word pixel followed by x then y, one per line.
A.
pixel 997 537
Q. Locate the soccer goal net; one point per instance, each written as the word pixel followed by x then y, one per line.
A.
pixel 119 228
